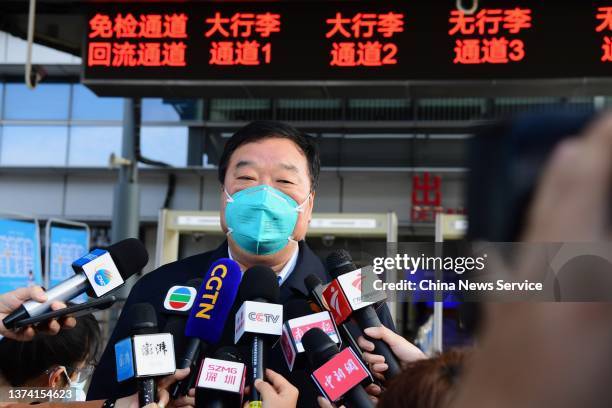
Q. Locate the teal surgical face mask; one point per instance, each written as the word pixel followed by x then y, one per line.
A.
pixel 261 219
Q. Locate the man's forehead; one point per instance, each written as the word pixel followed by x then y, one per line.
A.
pixel 243 156
pixel 251 163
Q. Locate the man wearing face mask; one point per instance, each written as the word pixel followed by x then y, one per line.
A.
pixel 268 174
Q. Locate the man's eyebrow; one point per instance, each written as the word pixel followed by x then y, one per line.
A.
pixel 244 163
pixel 290 167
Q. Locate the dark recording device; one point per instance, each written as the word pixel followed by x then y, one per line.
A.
pixel 506 160
pixel 76 310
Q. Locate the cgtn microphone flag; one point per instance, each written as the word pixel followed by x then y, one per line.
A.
pixel 214 301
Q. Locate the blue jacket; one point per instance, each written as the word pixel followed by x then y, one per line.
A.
pixel 152 288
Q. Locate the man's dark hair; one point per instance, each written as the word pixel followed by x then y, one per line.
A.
pixel 21 361
pixel 264 129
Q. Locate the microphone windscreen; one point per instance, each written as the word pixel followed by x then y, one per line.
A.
pixel 129 255
pixel 319 347
pixel 259 282
pixel 312 281
pixel 143 318
pixel 214 301
pixel 339 262
pixel 296 308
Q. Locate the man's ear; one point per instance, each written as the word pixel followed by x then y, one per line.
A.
pixel 311 205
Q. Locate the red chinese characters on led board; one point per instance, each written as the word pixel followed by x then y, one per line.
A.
pixel 145 40
pixel 241 38
pixel 490 36
pixel 364 39
pixel 604 25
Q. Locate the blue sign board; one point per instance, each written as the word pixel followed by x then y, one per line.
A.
pixel 20 261
pixel 65 246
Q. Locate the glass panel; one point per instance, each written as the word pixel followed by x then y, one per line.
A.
pixel 34 145
pixel 158 109
pixel 91 146
pixel 45 102
pixel 167 144
pixel 87 106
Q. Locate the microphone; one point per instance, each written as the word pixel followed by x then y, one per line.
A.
pixel 221 380
pixel 315 288
pixel 299 318
pixel 207 317
pixel 260 316
pixel 178 303
pixel 347 298
pixel 337 374
pixel 146 354
pixel 97 273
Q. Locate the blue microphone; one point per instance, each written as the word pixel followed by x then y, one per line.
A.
pixel 214 301
pixel 208 315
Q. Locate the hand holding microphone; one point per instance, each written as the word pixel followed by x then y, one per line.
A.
pixel 405 351
pixel 163 396
pixel 11 301
pixel 276 392
pixel 346 298
pixel 97 273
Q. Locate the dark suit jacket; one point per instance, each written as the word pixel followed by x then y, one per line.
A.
pixel 152 288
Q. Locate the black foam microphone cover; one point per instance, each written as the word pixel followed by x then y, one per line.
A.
pixel 143 318
pixel 130 256
pixel 259 283
pixel 296 308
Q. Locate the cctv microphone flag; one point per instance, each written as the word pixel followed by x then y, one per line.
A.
pixel 258 318
pixel 348 293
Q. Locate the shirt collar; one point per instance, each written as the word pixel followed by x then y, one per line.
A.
pixel 287 269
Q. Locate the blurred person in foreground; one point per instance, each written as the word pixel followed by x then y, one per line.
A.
pixel 427 383
pixel 543 354
pixel 536 354
pixel 554 354
pixel 10 301
pixel 55 361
